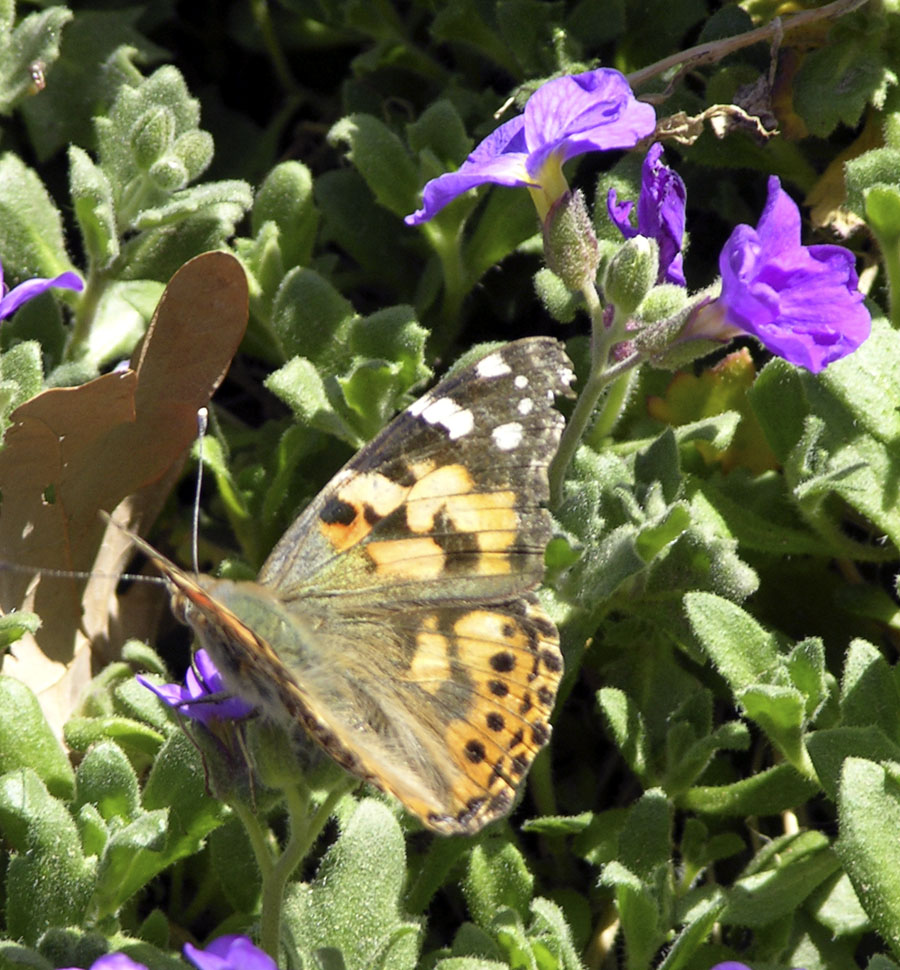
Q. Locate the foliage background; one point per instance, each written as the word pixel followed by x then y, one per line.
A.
pixel 723 777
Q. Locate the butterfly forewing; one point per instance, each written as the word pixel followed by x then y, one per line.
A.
pixel 447 499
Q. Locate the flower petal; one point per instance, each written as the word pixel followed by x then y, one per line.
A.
pixel 31 288
pixel 499 159
pixel 801 302
pixel 231 952
pixel 594 111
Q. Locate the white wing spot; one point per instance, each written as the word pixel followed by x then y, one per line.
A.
pixel 492 366
pixel 446 412
pixel 507 436
pixel 525 405
pixel 521 381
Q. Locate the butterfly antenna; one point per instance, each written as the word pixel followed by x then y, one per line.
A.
pixel 202 425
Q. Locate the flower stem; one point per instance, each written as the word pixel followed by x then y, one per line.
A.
pixel 260 11
pixel 890 255
pixel 603 339
pixel 304 831
pixel 94 286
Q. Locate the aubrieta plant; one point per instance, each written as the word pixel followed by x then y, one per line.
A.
pixel 714 233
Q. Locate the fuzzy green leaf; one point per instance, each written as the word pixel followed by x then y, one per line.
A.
pixel 869 818
pixel 26 740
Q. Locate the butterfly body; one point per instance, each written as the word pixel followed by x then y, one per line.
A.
pixel 396 618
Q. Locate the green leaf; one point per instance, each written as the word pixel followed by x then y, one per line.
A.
pixel 882 210
pixel 506 220
pixel 869 818
pixel 119 136
pixel 870 694
pixel 236 870
pixel 370 389
pixel 382 160
pixel 393 334
pixel 286 199
pixel 463 22
pixel 299 385
pixel 177 785
pixel 830 748
pixel 14 626
pixel 225 201
pixel 878 167
pixel 353 903
pixel 440 131
pixel 312 319
pixel 836 433
pixel 625 722
pixel 742 651
pixel 48 880
pixel 132 857
pixel 81 732
pixel 549 926
pixel 33 44
pixel 767 792
pixel 836 82
pixel 695 931
pixel 809 674
pixel 599 844
pixel 638 913
pixel 781 713
pixel 368 233
pixel 26 740
pixel 93 201
pixel 645 843
pixel 93 830
pixel 766 894
pixel 497 877
pixel 837 907
pixel 106 780
pixel 31 238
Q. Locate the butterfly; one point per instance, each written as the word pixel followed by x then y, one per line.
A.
pixel 396 618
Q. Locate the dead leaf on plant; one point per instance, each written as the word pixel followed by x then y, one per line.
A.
pixel 72 451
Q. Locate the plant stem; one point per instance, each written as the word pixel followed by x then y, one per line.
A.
pixel 304 831
pixel 603 339
pixel 94 286
pixel 890 255
pixel 260 11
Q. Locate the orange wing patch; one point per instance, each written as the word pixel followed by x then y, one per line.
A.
pixel 407 558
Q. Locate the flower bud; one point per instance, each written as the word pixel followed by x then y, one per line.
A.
pixel 152 136
pixel 680 338
pixel 169 173
pixel 570 246
pixel 631 273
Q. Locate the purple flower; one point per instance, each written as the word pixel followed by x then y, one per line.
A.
pixel 202 682
pixel 801 302
pixel 660 214
pixel 12 299
pixel 114 961
pixel 230 953
pixel 731 965
pixel 590 112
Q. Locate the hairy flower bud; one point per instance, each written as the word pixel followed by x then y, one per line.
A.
pixel 631 273
pixel 570 246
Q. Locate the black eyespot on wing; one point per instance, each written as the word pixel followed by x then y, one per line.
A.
pixel 337 512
